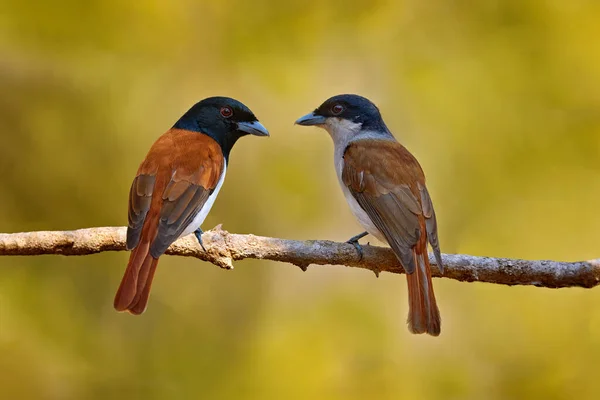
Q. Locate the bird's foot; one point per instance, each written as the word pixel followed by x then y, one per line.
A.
pixel 354 242
pixel 198 233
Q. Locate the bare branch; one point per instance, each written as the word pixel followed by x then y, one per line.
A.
pixel 224 247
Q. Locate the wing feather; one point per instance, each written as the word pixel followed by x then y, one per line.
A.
pixel 140 197
pixel 178 175
pixel 389 184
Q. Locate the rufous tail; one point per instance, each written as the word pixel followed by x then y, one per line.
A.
pixel 423 313
pixel 134 290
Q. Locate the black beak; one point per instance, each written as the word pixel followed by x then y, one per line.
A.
pixel 311 119
pixel 253 128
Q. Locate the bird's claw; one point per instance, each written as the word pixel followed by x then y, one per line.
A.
pixel 354 242
pixel 358 248
pixel 198 233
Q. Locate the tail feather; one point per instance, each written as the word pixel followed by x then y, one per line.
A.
pixel 423 314
pixel 134 289
pixel 139 303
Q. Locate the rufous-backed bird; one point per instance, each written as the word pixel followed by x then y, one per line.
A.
pixel 176 186
pixel 385 187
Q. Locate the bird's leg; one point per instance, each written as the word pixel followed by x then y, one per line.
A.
pixel 198 232
pixel 354 242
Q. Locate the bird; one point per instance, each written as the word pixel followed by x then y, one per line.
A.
pixel 176 186
pixel 384 185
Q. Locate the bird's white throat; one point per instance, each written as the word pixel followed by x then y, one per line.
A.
pixel 341 130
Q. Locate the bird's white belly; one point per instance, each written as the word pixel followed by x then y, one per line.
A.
pixel 199 219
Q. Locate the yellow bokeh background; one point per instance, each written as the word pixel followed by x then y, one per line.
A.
pixel 499 100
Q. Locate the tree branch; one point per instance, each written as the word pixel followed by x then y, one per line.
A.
pixel 224 247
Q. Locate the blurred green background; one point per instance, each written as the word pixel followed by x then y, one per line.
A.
pixel 499 100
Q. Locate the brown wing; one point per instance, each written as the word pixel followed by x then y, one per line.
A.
pixel 178 175
pixel 389 184
pixel 140 197
pixel 431 225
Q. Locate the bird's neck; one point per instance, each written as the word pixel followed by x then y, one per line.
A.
pixel 225 140
pixel 343 132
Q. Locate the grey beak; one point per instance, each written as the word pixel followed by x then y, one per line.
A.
pixel 311 119
pixel 253 128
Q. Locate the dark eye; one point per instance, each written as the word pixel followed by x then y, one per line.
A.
pixel 337 109
pixel 226 112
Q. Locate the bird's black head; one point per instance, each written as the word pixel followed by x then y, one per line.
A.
pixel 350 107
pixel 223 119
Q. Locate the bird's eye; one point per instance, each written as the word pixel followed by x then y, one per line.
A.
pixel 226 112
pixel 337 109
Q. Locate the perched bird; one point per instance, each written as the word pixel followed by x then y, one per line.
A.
pixel 176 186
pixel 385 187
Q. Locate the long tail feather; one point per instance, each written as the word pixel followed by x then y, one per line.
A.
pixel 135 286
pixel 139 303
pixel 423 314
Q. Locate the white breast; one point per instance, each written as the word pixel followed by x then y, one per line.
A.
pixel 207 206
pixel 344 132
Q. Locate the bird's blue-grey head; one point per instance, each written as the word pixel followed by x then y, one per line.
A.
pixel 346 111
pixel 222 118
